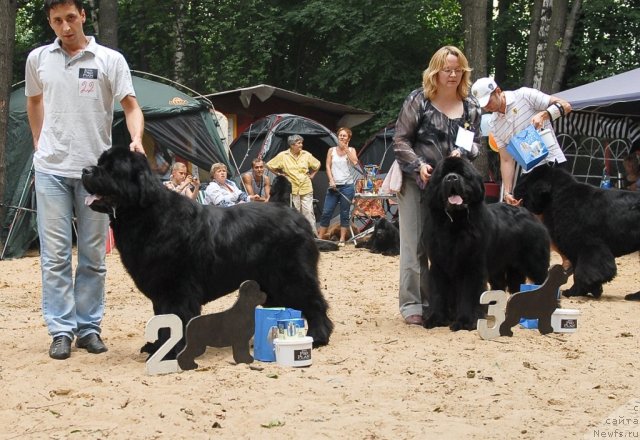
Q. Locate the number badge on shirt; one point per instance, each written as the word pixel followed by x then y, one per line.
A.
pixel 88 83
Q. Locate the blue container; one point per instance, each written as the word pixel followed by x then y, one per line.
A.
pixel 291 328
pixel 528 148
pixel 267 330
pixel 530 323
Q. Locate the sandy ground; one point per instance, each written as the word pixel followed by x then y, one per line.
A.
pixel 378 379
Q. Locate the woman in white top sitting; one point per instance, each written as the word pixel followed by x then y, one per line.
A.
pixel 340 162
pixel 222 191
pixel 183 183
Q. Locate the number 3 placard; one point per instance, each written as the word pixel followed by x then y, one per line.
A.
pixel 496 310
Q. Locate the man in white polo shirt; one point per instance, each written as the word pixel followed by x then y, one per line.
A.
pixel 71 86
pixel 512 112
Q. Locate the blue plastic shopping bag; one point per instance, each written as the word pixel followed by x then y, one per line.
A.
pixel 528 148
pixel 267 323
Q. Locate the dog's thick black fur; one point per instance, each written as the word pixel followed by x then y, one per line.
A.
pixel 182 255
pixel 591 226
pixel 280 190
pixel 281 193
pixel 469 243
pixel 385 238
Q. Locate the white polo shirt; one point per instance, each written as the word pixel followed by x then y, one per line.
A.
pixel 78 96
pixel 522 105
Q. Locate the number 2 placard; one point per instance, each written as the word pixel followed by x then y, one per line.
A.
pixel 155 364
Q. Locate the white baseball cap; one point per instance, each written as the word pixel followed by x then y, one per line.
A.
pixel 482 90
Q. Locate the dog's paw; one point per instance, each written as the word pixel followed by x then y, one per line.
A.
pixel 149 347
pixel 434 321
pixel 505 330
pixel 320 338
pixel 633 296
pixel 572 292
pixel 186 363
pixel 462 324
pixel 596 292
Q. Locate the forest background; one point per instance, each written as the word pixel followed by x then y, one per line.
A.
pixel 365 53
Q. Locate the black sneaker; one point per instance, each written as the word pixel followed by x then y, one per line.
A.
pixel 60 347
pixel 92 342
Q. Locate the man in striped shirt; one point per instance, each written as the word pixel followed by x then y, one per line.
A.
pixel 512 112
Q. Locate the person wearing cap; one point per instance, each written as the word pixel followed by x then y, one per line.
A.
pixel 512 112
pixel 430 122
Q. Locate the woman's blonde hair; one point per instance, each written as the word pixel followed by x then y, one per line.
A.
pixel 346 130
pixel 215 167
pixel 439 62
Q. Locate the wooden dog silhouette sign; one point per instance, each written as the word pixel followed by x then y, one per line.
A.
pixel 537 304
pixel 232 327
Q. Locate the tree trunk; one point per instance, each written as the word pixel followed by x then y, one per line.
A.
pixel 7 38
pixel 108 23
pixel 534 31
pixel 566 44
pixel 179 68
pixel 554 42
pixel 502 41
pixel 93 16
pixel 541 49
pixel 474 20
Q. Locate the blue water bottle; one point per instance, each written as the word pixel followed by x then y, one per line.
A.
pixel 606 180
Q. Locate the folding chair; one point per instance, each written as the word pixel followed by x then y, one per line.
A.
pixel 367 208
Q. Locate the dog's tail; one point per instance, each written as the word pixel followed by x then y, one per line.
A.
pixel 326 245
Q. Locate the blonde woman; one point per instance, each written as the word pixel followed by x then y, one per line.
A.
pixel 439 119
pixel 222 191
pixel 183 183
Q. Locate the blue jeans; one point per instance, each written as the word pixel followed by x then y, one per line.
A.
pixel 70 308
pixel 342 195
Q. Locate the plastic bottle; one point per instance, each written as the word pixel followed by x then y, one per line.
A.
pixel 606 180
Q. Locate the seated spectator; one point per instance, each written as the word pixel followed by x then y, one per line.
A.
pixel 632 172
pixel 161 165
pixel 182 183
pixel 222 191
pixel 256 183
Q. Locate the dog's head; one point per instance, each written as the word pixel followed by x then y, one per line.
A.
pixel 454 185
pixel 280 190
pixel 541 182
pixel 385 235
pixel 120 179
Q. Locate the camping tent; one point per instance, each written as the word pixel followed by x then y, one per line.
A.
pixel 268 136
pixel 378 149
pixel 178 122
pixel 603 127
pixel 618 95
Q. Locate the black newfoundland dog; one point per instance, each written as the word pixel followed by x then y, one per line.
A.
pixel 281 193
pixel 589 225
pixel 469 243
pixel 280 190
pixel 385 238
pixel 182 255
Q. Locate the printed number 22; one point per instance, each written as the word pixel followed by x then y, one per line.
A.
pixel 155 364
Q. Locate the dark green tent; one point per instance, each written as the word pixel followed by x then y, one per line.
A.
pixel 178 123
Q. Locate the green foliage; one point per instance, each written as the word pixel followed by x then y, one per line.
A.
pixel 511 28
pixel 607 41
pixel 365 53
pixel 32 30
